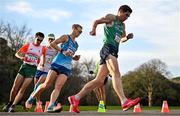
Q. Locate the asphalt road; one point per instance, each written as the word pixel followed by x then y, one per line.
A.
pixel 95 113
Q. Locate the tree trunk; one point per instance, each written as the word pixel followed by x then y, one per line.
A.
pixel 150 92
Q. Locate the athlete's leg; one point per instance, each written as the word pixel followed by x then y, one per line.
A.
pixel 112 65
pixel 40 81
pixel 102 93
pixel 98 81
pixel 97 93
pixel 24 86
pixel 60 81
pixel 17 84
pixel 48 82
pixel 35 81
pixel 20 94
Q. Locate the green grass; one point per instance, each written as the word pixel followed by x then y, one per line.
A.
pixel 94 108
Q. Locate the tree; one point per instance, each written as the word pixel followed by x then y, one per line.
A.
pixel 11 39
pixel 15 35
pixel 150 81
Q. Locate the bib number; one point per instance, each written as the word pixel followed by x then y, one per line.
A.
pixel 71 52
pixel 48 60
pixel 31 58
pixel 117 38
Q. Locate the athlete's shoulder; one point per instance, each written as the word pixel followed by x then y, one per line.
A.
pixel 25 47
pixel 62 38
pixel 110 16
pixel 44 48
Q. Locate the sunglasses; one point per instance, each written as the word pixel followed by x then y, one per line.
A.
pixel 127 15
pixel 39 40
pixel 51 39
pixel 80 31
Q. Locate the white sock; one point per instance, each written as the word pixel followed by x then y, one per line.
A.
pixel 123 100
pixel 77 97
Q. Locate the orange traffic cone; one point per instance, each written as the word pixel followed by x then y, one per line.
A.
pixel 137 108
pixel 46 106
pixel 38 107
pixel 165 108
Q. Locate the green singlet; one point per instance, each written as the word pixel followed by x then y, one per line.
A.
pixel 113 32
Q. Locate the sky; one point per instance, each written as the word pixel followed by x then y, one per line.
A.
pixel 154 23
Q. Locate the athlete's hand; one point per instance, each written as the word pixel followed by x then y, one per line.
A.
pixel 93 33
pixel 130 36
pixel 76 57
pixel 42 65
pixel 22 58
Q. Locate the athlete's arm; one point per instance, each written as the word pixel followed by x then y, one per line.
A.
pixel 21 52
pixel 43 56
pixel 55 43
pixel 107 19
pixel 19 55
pixel 124 37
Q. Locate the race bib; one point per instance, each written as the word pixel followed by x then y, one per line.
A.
pixel 71 52
pixel 117 38
pixel 48 59
pixel 31 58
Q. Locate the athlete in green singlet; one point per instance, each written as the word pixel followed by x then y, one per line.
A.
pixel 114 33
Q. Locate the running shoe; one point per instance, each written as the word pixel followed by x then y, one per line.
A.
pixel 54 108
pixel 29 102
pixel 6 107
pixel 130 103
pixel 11 109
pixel 74 104
pixel 72 109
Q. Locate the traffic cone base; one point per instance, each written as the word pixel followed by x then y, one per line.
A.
pixel 101 107
pixel 137 108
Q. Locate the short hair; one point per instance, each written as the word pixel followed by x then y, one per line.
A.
pixel 40 34
pixel 125 8
pixel 76 26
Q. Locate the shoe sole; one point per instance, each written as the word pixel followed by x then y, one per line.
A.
pixel 56 110
pixel 131 106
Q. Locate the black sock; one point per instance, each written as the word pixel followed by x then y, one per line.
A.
pixel 9 103
pixel 13 106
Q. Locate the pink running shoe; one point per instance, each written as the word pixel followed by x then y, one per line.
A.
pixel 130 103
pixel 72 109
pixel 73 104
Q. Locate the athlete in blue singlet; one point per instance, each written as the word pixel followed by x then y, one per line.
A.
pixel 60 67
